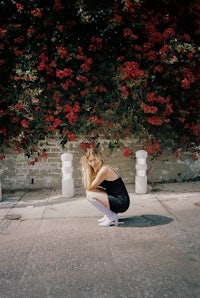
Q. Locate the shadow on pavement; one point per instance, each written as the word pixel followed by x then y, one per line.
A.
pixel 147 220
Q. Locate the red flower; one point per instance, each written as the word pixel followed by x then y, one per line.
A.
pixel 85 67
pixel 83 93
pixel 58 6
pixel 195 157
pixel 151 96
pixel 127 152
pixel 152 147
pixel 24 123
pixel 99 89
pixel 169 110
pixel 131 70
pixel 149 109
pixel 56 97
pixel 3 32
pixel 2 61
pixel 195 130
pixel 19 39
pixel 41 66
pixel 44 154
pixel 53 64
pixel 3 131
pixel 30 31
pixel 96 120
pixel 82 78
pixel 185 84
pixel 84 145
pixel 67 72
pixel 128 33
pixel 181 119
pixel 155 120
pixel 17 78
pixel 56 123
pixel 43 57
pixel 164 49
pixel 72 117
pixel 62 52
pixel 15 120
pixel 151 55
pixel 125 91
pixel 60 28
pixel 110 125
pixel 37 12
pixel 71 136
pixel 51 85
pixel 158 68
pixel 76 107
pixel 19 6
pixel 18 52
pixel 177 153
pixel 168 33
pixel 118 18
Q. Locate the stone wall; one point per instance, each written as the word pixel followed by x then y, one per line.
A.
pixel 17 174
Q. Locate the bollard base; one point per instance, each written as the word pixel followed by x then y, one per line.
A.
pixel 67 188
pixel 140 184
pixel 0 192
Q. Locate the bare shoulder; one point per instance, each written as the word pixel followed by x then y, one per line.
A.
pixel 109 171
pixel 105 168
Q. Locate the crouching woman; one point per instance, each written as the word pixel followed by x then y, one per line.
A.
pixel 104 187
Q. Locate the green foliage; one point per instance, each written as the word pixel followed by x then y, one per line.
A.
pixel 100 69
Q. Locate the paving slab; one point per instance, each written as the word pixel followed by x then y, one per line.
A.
pixel 56 248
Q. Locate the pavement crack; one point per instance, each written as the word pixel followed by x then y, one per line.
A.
pixel 6 220
pixel 166 208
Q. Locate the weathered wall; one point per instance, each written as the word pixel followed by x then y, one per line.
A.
pixel 17 174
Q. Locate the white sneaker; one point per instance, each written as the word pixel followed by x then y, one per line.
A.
pixel 108 221
pixel 102 219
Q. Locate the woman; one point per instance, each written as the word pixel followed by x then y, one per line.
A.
pixel 104 187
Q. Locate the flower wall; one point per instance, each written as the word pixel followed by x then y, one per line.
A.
pixel 100 69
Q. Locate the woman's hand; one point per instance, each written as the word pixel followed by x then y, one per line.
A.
pixel 84 162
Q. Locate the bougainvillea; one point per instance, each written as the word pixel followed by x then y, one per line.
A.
pixel 108 69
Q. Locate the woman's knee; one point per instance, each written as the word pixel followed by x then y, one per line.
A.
pixel 90 195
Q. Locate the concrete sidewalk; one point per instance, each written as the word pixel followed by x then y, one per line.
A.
pixel 53 247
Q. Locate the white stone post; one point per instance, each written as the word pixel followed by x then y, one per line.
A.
pixel 0 190
pixel 141 172
pixel 67 178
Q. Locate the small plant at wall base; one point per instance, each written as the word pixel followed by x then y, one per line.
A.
pixel 111 70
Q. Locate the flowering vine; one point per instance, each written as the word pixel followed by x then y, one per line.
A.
pixel 106 69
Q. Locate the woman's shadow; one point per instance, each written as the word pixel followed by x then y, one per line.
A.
pixel 146 220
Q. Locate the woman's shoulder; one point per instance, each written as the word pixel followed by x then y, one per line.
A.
pixel 109 169
pixel 104 167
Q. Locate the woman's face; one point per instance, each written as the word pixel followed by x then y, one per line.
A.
pixel 94 162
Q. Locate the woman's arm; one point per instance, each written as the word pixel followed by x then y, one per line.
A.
pixel 86 173
pixel 86 176
pixel 90 182
pixel 100 177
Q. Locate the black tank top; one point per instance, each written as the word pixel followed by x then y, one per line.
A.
pixel 115 187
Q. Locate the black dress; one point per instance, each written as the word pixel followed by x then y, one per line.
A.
pixel 117 195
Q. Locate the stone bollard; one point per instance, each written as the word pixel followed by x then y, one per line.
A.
pixel 0 192
pixel 67 178
pixel 141 172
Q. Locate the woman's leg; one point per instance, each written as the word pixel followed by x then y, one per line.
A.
pixel 101 202
pixel 100 196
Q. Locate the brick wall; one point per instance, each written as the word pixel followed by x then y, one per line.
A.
pixel 46 173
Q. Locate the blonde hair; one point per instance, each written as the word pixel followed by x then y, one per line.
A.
pixel 98 154
pixel 94 151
